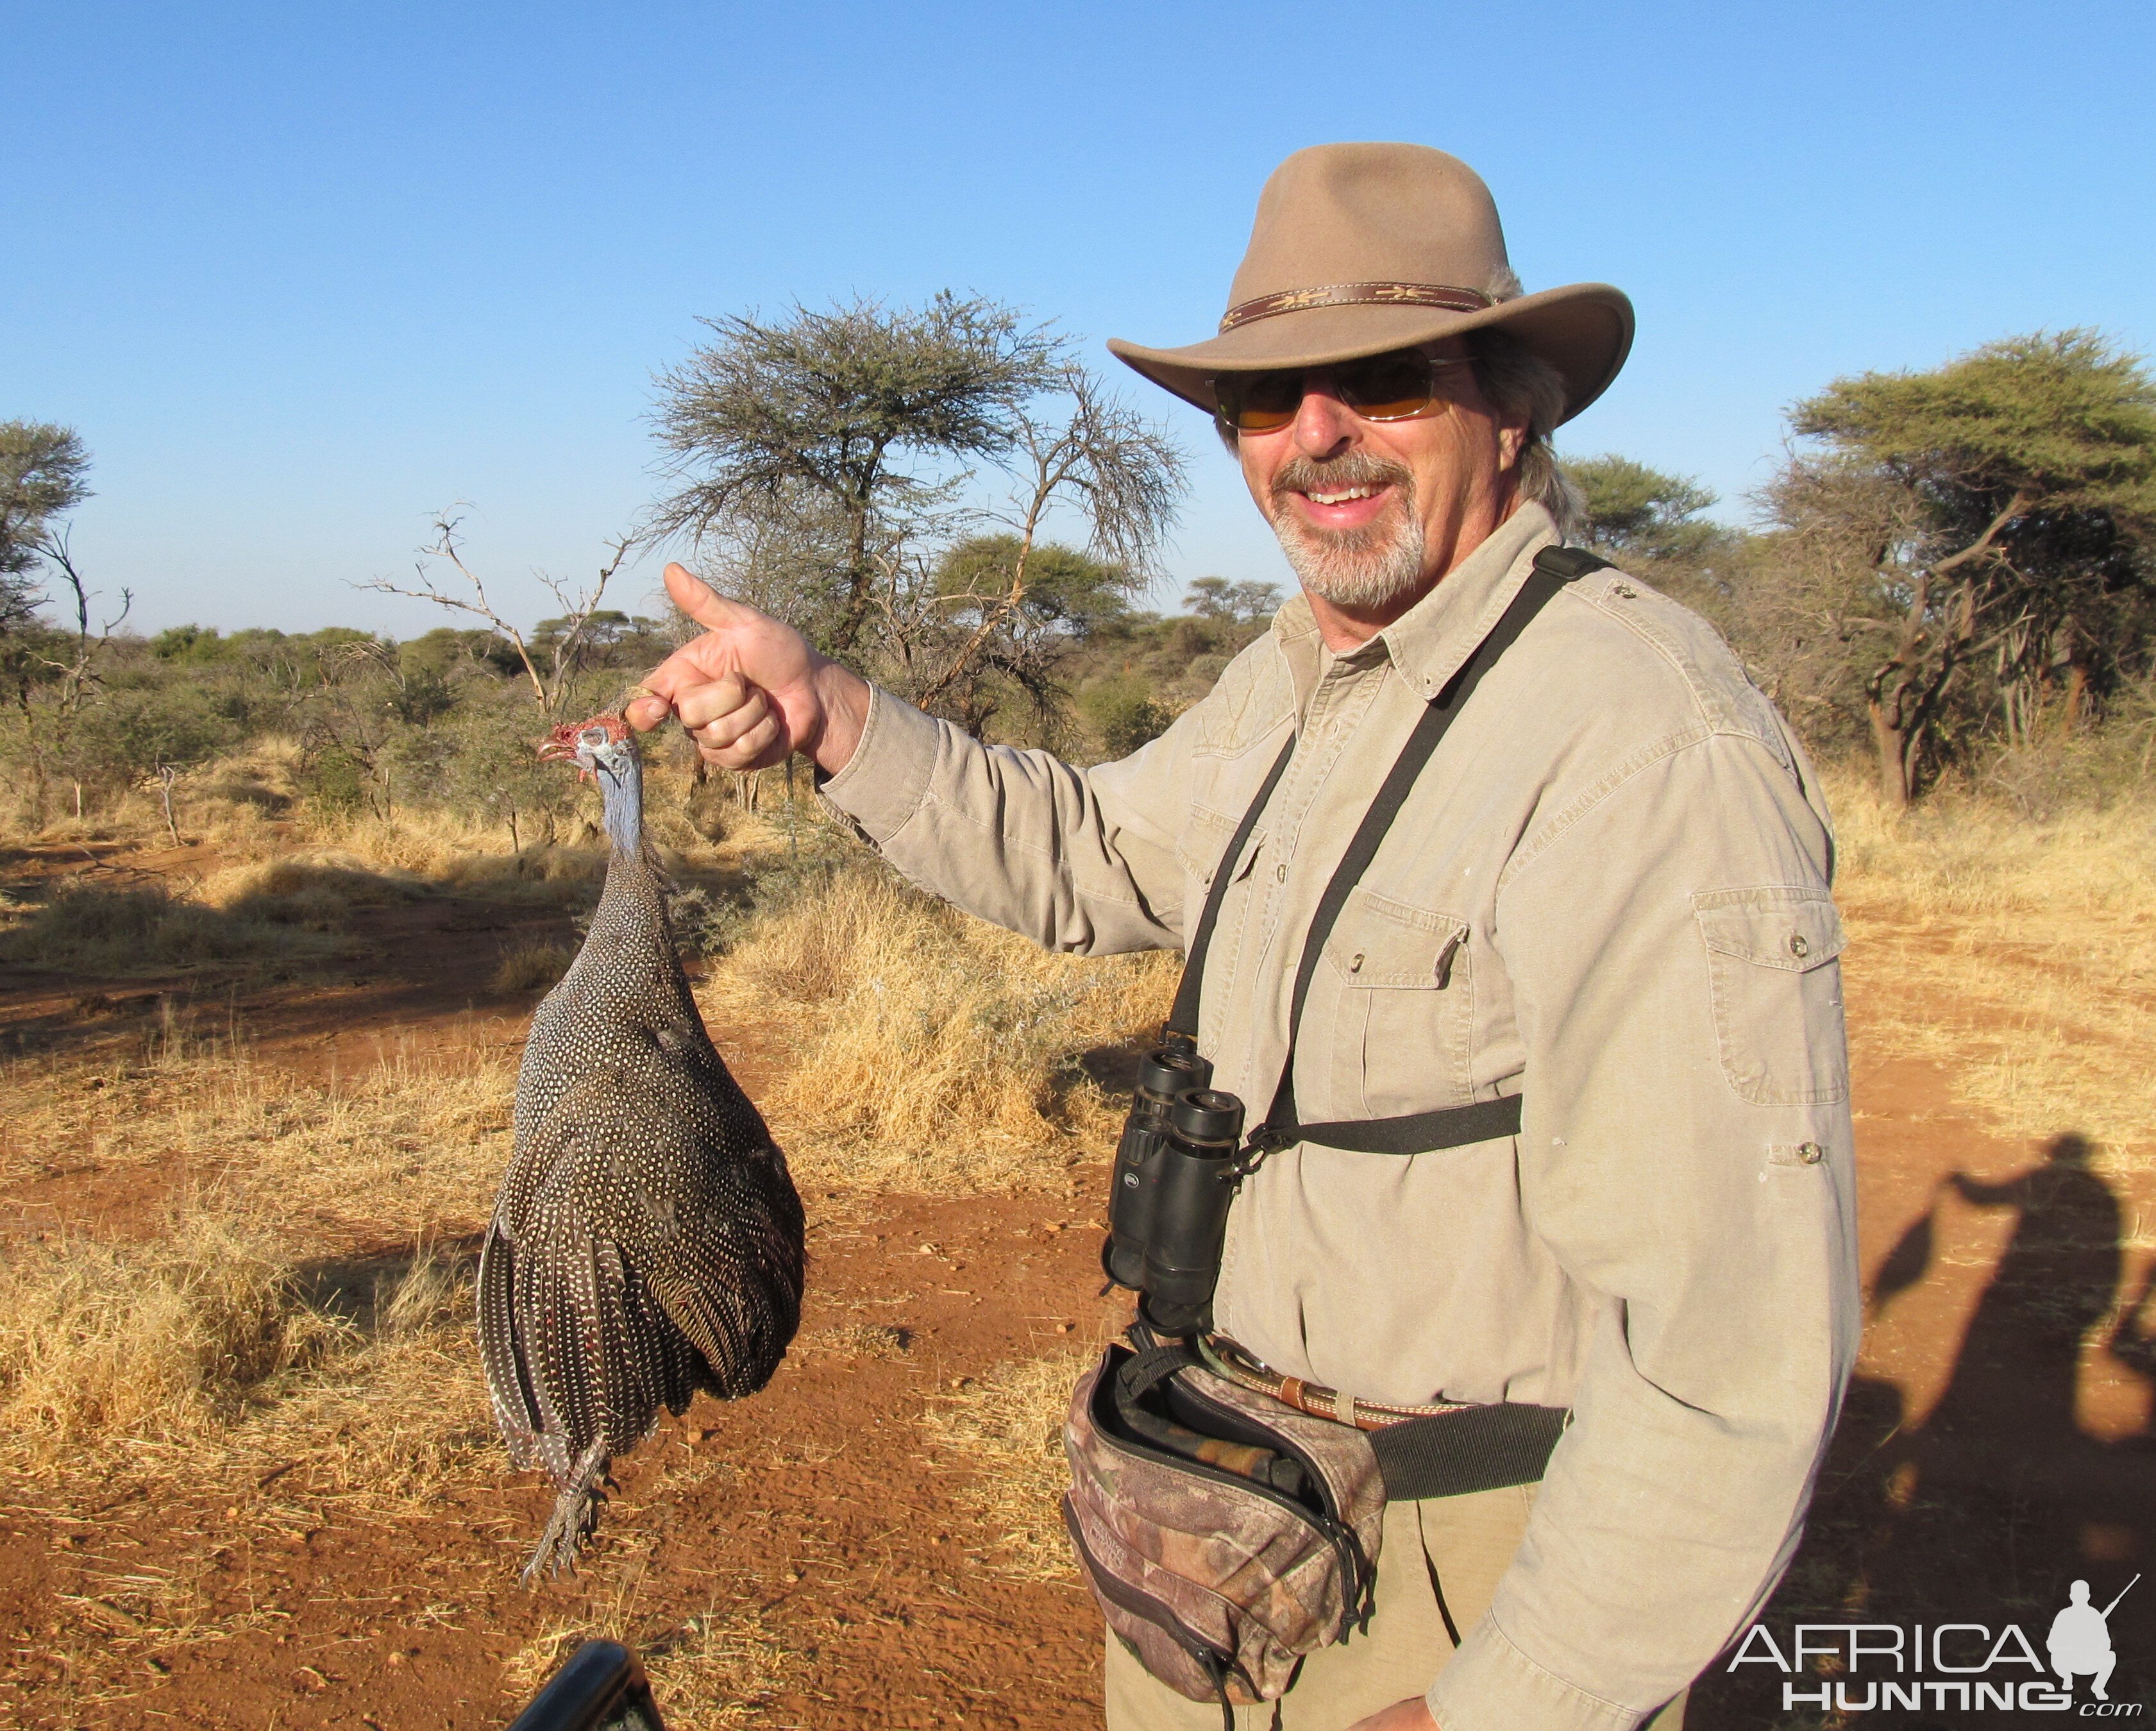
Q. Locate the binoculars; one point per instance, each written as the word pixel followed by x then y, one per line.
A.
pixel 1175 1173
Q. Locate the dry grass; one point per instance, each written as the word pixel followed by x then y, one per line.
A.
pixel 389 1425
pixel 258 1304
pixel 167 1337
pixel 2023 951
pixel 710 1672
pixel 403 1148
pixel 290 1327
pixel 532 967
pixel 111 924
pixel 937 1053
pixel 250 1343
pixel 316 889
pixel 853 1340
pixel 212 1352
pixel 1007 1427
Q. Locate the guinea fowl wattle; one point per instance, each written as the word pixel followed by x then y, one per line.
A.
pixel 647 1240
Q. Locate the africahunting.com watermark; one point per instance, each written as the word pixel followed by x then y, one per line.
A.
pixel 1947 1667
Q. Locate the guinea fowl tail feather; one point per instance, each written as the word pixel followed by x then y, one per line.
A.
pixel 517 1414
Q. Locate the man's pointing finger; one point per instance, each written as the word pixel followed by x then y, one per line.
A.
pixel 702 602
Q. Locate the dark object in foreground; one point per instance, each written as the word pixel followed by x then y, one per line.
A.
pixel 647 1241
pixel 601 1688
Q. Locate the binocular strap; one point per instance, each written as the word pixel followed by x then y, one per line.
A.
pixel 1410 1133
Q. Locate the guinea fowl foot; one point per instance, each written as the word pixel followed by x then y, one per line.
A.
pixel 575 1519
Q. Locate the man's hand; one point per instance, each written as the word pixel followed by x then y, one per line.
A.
pixel 751 691
pixel 1401 1716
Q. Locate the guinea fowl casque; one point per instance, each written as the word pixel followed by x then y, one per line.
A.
pixel 647 1240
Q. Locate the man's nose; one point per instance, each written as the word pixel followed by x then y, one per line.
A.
pixel 1324 425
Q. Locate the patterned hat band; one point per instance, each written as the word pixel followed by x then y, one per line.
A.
pixel 1356 293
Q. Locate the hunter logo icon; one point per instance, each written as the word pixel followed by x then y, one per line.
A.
pixel 2080 1641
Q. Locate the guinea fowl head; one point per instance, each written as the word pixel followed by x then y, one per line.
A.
pixel 600 744
pixel 603 749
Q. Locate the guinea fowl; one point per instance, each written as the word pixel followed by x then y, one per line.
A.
pixel 647 1240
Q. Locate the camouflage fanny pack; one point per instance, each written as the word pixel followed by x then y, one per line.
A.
pixel 1224 1535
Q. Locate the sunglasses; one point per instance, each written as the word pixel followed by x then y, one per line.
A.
pixel 1396 387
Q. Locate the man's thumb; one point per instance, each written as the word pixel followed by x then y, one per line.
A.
pixel 702 602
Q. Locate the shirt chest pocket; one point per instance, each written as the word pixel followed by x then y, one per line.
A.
pixel 1773 969
pixel 1389 1025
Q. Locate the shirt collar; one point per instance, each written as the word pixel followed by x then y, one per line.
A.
pixel 1432 640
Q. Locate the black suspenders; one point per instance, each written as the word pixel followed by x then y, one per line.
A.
pixel 1411 1132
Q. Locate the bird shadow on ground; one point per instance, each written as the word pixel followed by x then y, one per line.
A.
pixel 1990 1507
pixel 379 1291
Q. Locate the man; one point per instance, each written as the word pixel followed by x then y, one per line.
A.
pixel 2080 1641
pixel 1606 894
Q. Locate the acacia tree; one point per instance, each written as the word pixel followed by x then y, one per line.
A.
pixel 2027 476
pixel 821 466
pixel 838 421
pixel 1099 457
pixel 1807 609
pixel 1231 604
pixel 42 478
pixel 53 674
pixel 1638 515
pixel 970 674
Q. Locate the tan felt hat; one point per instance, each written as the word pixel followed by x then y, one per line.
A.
pixel 1362 248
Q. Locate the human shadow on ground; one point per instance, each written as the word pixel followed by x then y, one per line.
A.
pixel 1988 1510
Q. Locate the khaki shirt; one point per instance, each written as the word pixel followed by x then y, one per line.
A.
pixel 1607 893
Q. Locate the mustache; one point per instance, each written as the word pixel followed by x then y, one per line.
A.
pixel 1350 469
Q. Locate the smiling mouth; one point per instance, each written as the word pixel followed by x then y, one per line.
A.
pixel 1343 496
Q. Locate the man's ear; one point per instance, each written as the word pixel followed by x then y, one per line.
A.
pixel 1511 440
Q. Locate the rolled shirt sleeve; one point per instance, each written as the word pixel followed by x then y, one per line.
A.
pixel 1685 1154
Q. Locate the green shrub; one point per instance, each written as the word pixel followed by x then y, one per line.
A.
pixel 1123 716
pixel 333 779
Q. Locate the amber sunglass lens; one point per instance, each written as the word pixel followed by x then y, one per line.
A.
pixel 1387 387
pixel 1260 402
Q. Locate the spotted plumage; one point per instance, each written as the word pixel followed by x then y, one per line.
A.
pixel 647 1241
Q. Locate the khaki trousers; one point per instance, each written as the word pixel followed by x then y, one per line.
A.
pixel 1437 1572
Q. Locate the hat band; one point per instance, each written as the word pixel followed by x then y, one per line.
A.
pixel 1356 293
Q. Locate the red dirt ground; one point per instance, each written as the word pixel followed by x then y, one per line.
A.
pixel 1992 1450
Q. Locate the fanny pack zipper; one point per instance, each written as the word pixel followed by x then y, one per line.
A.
pixel 1354 1572
pixel 1217 1664
pixel 1347 1547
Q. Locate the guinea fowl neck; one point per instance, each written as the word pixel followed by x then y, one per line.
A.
pixel 621 792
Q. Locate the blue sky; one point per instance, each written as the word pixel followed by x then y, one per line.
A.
pixel 301 275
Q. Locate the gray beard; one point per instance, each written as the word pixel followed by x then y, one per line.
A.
pixel 1364 568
